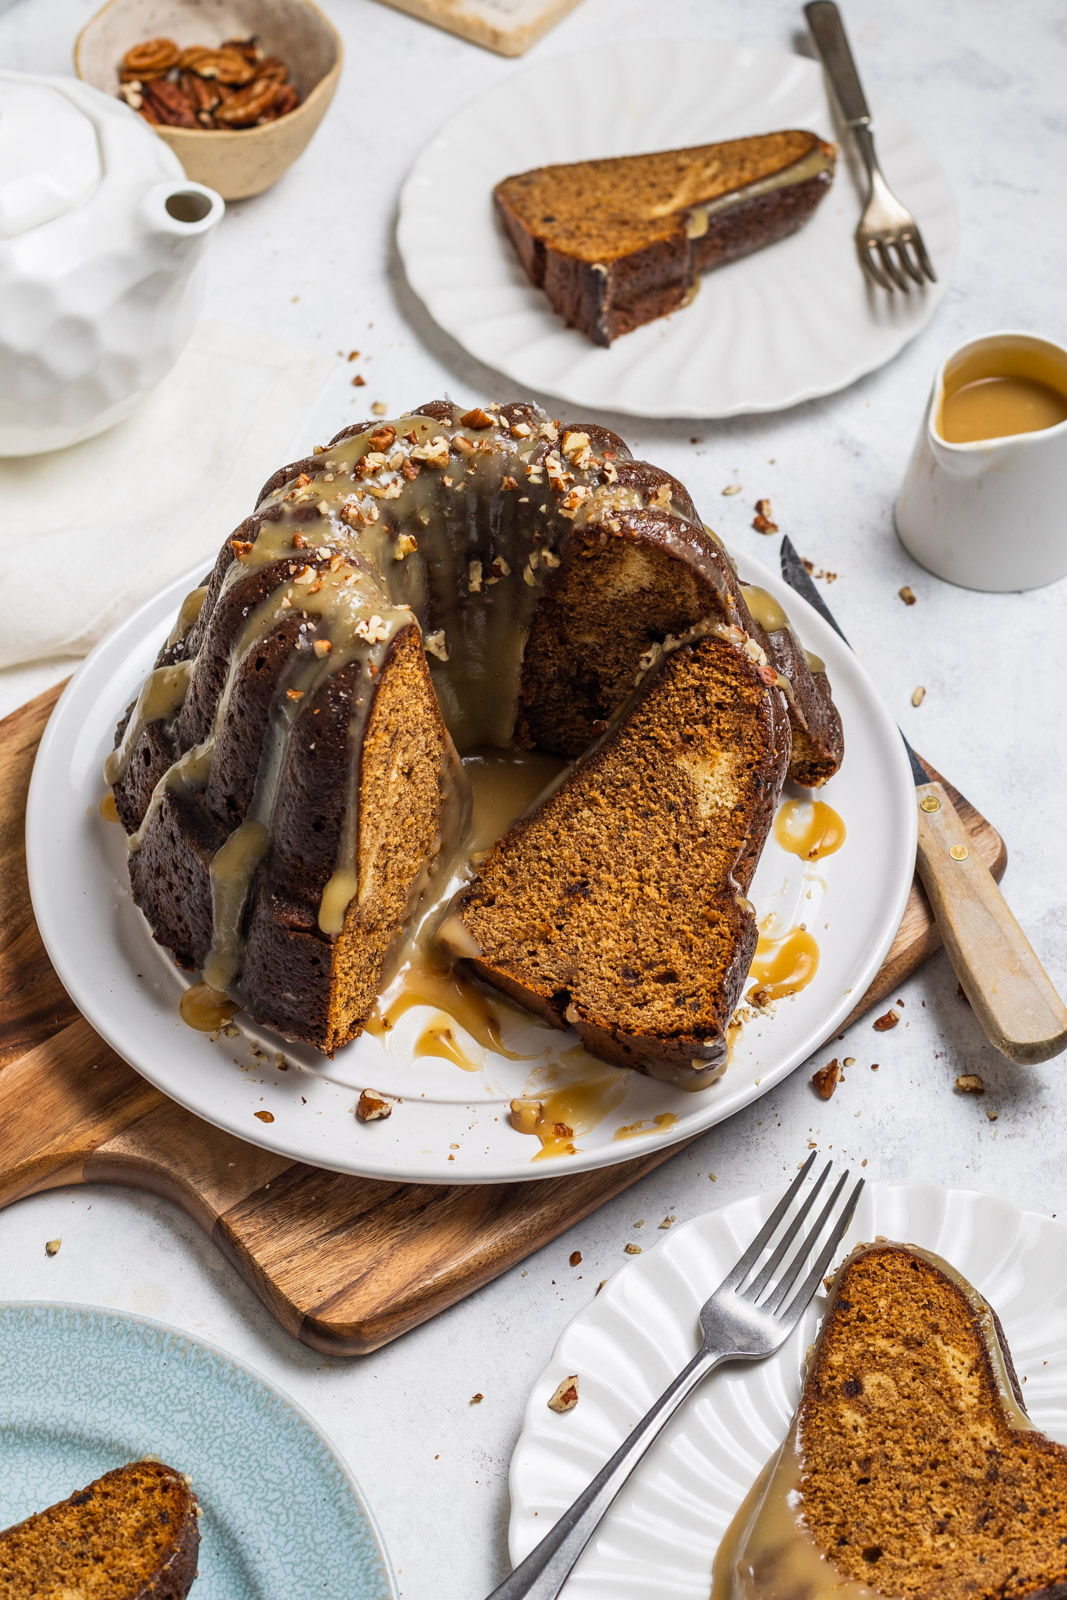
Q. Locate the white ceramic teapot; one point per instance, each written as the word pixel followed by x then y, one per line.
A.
pixel 101 243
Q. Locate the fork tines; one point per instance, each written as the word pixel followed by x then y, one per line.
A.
pixel 891 270
pixel 770 1293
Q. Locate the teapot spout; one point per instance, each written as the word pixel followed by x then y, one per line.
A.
pixel 181 217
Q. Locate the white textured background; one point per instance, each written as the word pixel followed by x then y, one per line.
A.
pixel 315 258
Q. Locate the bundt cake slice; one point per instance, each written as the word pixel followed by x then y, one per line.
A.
pixel 289 774
pixel 130 1535
pixel 911 1469
pixel 618 905
pixel 620 241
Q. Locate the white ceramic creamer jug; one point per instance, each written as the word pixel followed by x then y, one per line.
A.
pixel 101 245
pixel 987 510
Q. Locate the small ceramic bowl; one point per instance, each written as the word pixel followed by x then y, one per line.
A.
pixel 244 161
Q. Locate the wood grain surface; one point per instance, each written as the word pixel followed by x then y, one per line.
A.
pixel 344 1264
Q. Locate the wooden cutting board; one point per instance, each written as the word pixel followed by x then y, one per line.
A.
pixel 344 1264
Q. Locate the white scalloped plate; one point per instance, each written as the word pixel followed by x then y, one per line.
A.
pixel 660 1537
pixel 784 325
pixel 452 1126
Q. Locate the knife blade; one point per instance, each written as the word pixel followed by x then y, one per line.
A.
pixel 1009 990
pixel 799 578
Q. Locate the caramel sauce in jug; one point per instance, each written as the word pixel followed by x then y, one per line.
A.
pixel 994 393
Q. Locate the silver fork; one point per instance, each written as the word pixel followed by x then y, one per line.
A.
pixel 742 1321
pixel 885 226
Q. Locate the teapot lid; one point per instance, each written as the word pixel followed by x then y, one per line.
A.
pixel 49 156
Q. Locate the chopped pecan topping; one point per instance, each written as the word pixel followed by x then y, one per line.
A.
pixel 373 1107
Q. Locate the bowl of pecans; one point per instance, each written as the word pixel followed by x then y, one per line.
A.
pixel 235 87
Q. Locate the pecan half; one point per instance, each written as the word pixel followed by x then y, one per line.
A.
pixel 149 60
pixel 200 92
pixel 274 68
pixel 287 99
pixel 246 107
pixel 169 103
pixel 250 48
pixel 225 65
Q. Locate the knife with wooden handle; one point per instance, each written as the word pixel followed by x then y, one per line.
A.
pixel 1009 990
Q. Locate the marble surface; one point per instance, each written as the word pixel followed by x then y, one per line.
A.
pixel 985 87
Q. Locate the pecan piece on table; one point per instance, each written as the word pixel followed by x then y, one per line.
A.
pixel 151 59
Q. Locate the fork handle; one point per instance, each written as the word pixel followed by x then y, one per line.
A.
pixel 828 31
pixel 545 1570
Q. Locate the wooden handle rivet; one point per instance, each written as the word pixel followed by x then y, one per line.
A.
pixel 959 852
pixel 930 802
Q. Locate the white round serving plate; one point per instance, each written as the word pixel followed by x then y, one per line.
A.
pixel 783 325
pixel 452 1125
pixel 659 1538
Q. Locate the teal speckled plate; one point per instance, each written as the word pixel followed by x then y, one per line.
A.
pixel 83 1390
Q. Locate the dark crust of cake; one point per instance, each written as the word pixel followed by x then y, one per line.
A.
pixel 25 1565
pixel 1013 1489
pixel 607 299
pixel 291 974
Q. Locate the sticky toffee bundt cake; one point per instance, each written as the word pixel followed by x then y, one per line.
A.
pixel 130 1535
pixel 911 1469
pixel 617 242
pixel 289 773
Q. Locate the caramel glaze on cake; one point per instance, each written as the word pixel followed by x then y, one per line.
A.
pixel 911 1469
pixel 288 774
pixel 616 242
pixel 130 1535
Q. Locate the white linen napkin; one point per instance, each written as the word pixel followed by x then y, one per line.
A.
pixel 87 533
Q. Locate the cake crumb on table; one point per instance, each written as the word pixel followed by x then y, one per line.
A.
pixel 52 1247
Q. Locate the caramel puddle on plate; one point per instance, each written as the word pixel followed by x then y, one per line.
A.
pixel 108 809
pixel 660 1124
pixel 782 966
pixel 566 1099
pixel 439 1040
pixel 503 784
pixel 809 829
pixel 205 1009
